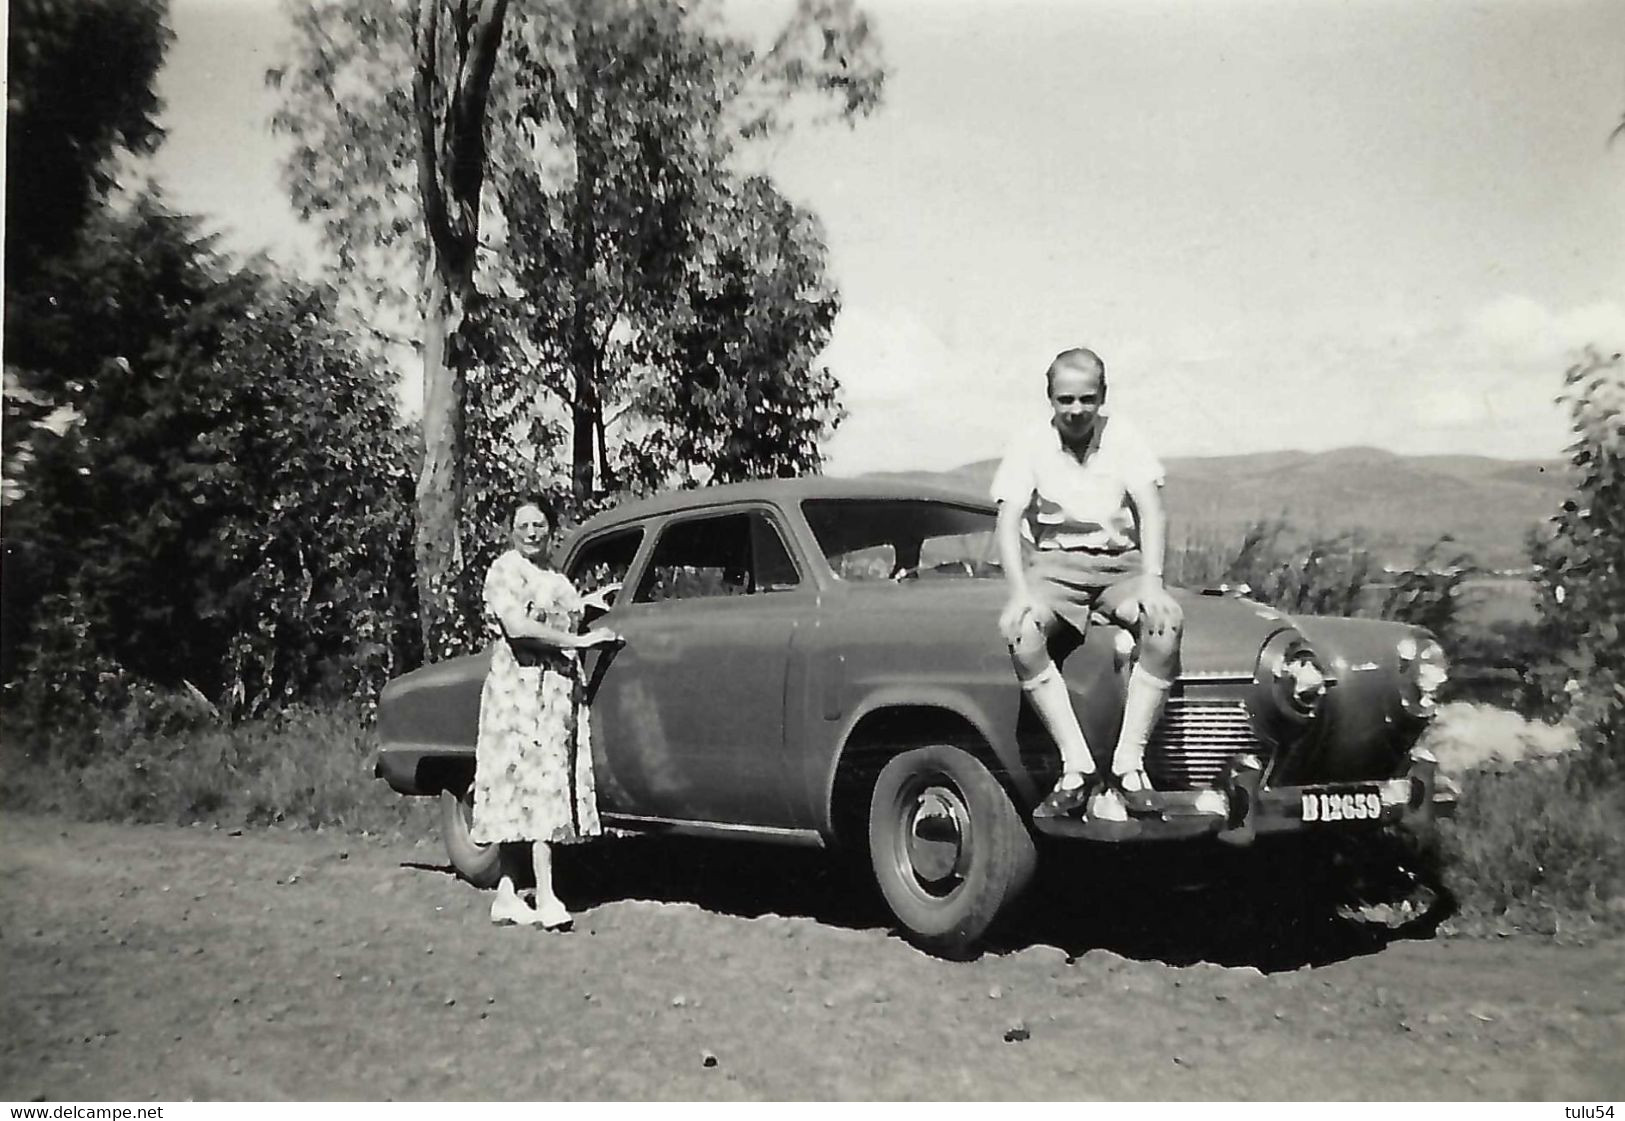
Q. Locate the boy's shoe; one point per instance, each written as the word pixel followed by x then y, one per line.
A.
pixel 1108 807
pixel 1064 800
pixel 1139 796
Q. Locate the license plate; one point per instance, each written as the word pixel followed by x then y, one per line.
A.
pixel 1354 803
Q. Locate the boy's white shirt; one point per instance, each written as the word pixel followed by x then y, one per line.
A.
pixel 1077 505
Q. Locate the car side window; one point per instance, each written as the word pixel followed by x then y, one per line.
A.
pixel 773 569
pixel 867 539
pixel 605 562
pixel 722 555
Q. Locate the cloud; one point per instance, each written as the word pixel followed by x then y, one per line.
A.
pixel 1525 329
pixel 886 357
pixel 1481 384
pixel 915 401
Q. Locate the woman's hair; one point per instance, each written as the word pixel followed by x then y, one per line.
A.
pixel 537 499
pixel 1078 357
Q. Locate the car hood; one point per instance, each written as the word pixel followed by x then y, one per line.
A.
pixel 1223 634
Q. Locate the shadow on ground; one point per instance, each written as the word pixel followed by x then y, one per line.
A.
pixel 1170 904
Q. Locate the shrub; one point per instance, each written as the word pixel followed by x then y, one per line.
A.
pixel 298 766
pixel 1277 566
pixel 1580 564
pixel 1334 575
pixel 1540 843
pixel 227 500
pixel 1501 662
pixel 1429 593
pixel 1538 847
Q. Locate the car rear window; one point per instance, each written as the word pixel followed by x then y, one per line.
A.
pixel 899 539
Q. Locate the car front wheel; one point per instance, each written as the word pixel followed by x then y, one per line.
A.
pixel 948 847
pixel 479 864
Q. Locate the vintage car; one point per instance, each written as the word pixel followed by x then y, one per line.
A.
pixel 817 662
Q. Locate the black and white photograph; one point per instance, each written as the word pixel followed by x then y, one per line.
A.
pixel 620 551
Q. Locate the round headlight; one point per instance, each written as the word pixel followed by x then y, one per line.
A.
pixel 1425 669
pixel 1300 681
pixel 1291 680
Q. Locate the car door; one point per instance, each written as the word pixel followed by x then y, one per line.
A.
pixel 688 714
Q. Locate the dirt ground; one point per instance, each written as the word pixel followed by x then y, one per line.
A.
pixel 166 963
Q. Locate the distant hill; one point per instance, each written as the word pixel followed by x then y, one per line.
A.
pixel 1401 504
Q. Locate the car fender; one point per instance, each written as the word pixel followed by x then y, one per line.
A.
pixel 998 751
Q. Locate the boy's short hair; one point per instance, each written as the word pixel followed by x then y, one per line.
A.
pixel 1077 357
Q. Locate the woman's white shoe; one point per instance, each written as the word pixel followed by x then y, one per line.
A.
pixel 508 908
pixel 553 915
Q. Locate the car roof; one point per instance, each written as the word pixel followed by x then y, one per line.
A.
pixel 785 492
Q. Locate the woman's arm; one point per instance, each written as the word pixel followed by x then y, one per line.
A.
pixel 506 596
pixel 517 625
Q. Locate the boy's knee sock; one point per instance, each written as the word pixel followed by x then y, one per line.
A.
pixel 1142 707
pixel 1049 696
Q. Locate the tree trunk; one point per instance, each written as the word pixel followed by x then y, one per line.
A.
pixel 440 483
pixel 451 173
pixel 604 472
pixel 583 349
pixel 581 445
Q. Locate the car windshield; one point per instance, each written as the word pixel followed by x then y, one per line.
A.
pixel 903 539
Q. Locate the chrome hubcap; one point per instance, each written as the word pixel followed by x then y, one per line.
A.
pixel 936 836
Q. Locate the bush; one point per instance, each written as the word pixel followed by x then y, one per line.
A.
pixel 1539 844
pixel 1537 847
pixel 300 766
pixel 1334 575
pixel 227 501
pixel 1502 662
pixel 1580 564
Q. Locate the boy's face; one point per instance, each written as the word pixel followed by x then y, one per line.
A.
pixel 1076 394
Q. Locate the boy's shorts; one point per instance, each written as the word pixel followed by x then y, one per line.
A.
pixel 1074 583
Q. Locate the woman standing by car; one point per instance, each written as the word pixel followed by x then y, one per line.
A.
pixel 533 759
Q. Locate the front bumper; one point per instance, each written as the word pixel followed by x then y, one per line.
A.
pixel 1239 808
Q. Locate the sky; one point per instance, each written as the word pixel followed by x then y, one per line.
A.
pixel 1307 224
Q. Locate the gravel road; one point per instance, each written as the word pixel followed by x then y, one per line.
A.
pixel 168 963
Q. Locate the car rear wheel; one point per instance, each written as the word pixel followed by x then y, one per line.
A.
pixel 948 847
pixel 479 864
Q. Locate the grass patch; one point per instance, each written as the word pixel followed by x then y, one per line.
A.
pixel 1537 846
pixel 303 767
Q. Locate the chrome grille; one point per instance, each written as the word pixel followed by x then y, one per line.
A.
pixel 1195 739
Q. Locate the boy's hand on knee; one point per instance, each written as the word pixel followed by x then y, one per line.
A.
pixel 1159 611
pixel 1015 614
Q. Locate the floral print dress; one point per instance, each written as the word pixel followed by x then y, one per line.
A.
pixel 533 760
